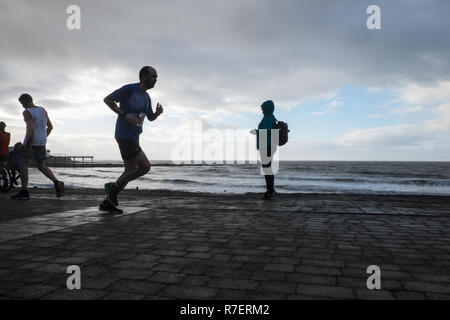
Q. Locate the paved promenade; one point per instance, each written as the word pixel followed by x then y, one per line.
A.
pixel 198 246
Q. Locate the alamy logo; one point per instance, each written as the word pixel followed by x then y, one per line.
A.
pixel 374 281
pixel 374 20
pixel 214 146
pixel 73 22
pixel 74 281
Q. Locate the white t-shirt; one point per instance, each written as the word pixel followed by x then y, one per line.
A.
pixel 39 117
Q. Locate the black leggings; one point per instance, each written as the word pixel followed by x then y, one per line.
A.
pixel 270 181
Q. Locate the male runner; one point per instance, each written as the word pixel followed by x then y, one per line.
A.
pixel 39 127
pixel 135 105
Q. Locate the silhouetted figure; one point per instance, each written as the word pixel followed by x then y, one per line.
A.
pixel 38 127
pixel 14 162
pixel 135 105
pixel 267 149
pixel 5 138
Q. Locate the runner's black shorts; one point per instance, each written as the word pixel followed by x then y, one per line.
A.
pixel 129 148
pixel 37 152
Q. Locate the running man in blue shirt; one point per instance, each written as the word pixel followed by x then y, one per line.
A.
pixel 135 105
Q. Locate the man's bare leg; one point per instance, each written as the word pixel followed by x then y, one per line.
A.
pixel 134 168
pixel 24 173
pixel 42 166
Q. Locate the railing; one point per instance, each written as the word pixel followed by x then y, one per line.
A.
pixel 70 161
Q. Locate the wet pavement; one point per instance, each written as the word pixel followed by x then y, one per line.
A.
pixel 173 245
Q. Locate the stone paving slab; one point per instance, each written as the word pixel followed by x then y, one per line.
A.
pixel 173 245
pixel 26 227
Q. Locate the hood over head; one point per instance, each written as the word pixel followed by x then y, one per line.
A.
pixel 268 107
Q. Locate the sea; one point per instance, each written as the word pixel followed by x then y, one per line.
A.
pixel 331 177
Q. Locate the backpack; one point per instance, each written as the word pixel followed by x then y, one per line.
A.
pixel 283 133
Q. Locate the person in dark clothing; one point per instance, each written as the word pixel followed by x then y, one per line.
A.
pixel 14 161
pixel 4 143
pixel 267 149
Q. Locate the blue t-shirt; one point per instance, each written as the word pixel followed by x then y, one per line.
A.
pixel 131 99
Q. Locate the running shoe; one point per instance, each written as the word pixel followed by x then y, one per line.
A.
pixel 59 187
pixel 109 207
pixel 22 195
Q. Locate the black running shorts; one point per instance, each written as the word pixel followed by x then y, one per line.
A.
pixel 129 148
pixel 37 152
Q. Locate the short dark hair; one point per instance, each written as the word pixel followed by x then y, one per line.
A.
pixel 144 70
pixel 2 125
pixel 25 98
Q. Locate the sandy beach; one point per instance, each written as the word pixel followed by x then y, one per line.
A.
pixel 175 245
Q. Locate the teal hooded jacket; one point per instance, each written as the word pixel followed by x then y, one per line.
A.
pixel 268 122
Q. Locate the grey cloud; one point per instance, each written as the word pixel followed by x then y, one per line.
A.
pixel 209 51
pixel 55 104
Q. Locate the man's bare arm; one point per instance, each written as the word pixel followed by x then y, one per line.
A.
pixel 113 106
pixel 157 113
pixel 30 128
pixel 130 118
pixel 49 124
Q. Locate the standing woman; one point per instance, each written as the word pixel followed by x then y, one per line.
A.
pixel 266 149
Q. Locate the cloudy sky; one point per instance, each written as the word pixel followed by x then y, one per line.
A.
pixel 347 92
